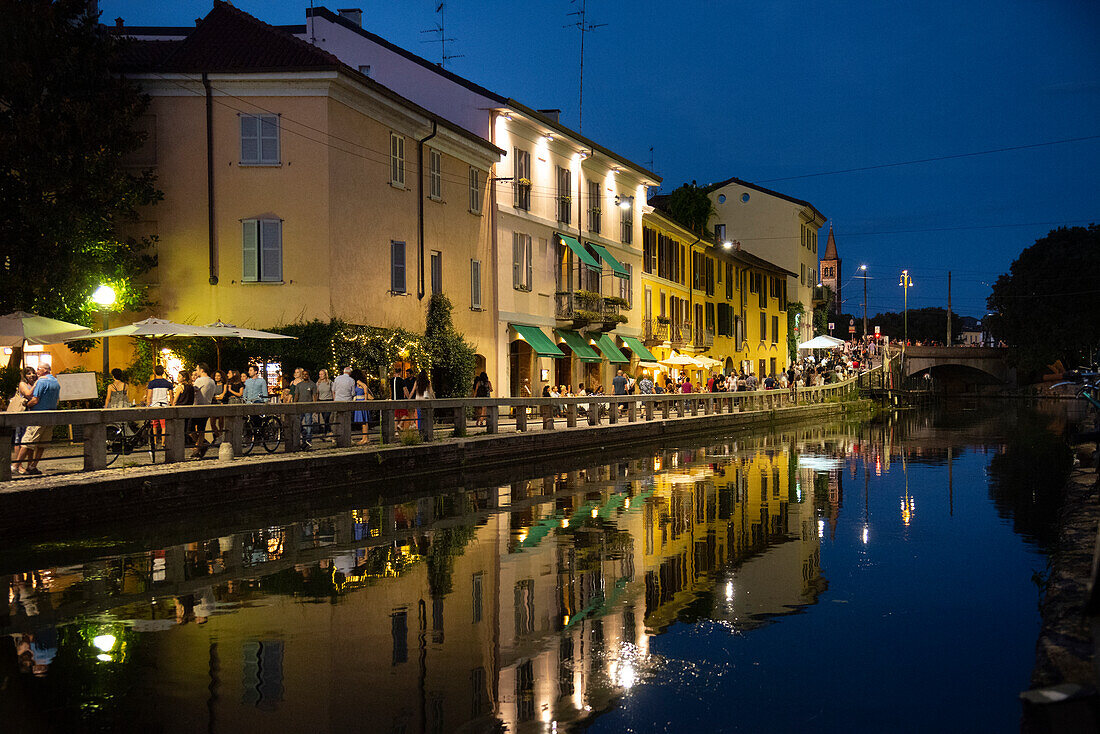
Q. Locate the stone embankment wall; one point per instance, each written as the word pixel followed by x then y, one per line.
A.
pixel 80 503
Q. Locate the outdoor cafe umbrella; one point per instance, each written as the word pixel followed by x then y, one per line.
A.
pixel 20 328
pixel 707 362
pixel 227 330
pixel 153 330
pixel 821 342
pixel 679 360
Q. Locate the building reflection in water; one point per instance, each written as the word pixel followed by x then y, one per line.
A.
pixel 530 605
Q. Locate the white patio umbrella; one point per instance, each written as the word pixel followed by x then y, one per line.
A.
pixel 707 362
pixel 227 330
pixel 821 342
pixel 679 360
pixel 20 327
pixel 154 329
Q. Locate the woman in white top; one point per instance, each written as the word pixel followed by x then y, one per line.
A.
pixel 422 390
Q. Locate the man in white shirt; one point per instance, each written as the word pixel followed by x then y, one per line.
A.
pixel 204 395
pixel 343 387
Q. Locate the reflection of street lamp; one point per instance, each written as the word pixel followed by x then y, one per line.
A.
pixel 104 297
pixel 906 283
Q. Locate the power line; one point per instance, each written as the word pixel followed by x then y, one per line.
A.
pixel 933 159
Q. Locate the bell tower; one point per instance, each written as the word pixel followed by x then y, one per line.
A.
pixel 830 270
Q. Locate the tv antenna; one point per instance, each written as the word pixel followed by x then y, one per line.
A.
pixel 584 27
pixel 442 39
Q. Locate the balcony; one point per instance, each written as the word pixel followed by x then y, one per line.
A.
pixel 680 334
pixel 655 332
pixel 577 309
pixel 612 315
pixel 703 339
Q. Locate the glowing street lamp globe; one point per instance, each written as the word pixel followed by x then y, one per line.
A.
pixel 104 296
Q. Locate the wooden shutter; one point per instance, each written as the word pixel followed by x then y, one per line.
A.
pixel 250 139
pixel 475 284
pixel 527 260
pixel 271 250
pixel 251 250
pixel 397 267
pixel 269 138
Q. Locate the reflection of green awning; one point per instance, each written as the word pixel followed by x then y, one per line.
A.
pixel 614 356
pixel 579 346
pixel 542 344
pixel 638 348
pixel 608 258
pixel 578 250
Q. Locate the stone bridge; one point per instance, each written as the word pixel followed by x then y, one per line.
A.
pixel 966 367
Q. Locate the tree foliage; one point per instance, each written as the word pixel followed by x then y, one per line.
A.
pixel 1047 306
pixel 66 191
pixel 925 325
pixel 690 206
pixel 452 357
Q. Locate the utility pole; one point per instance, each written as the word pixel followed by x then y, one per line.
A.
pixel 948 342
pixel 584 27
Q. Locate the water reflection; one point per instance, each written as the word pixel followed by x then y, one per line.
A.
pixel 531 606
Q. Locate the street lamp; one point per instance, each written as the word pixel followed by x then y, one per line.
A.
pixel 104 297
pixel 906 283
pixel 863 270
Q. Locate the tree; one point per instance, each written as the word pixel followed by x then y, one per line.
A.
pixel 66 191
pixel 690 206
pixel 925 324
pixel 1047 306
pixel 452 357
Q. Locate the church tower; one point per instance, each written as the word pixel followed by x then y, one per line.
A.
pixel 830 270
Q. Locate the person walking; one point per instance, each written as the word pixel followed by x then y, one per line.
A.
pixel 158 394
pixel 44 396
pixel 204 395
pixel 482 389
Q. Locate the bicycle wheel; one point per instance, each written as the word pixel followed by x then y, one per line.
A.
pixel 148 435
pixel 248 438
pixel 116 442
pixel 272 434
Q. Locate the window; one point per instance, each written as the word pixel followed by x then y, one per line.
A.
pixel 625 291
pixel 626 220
pixel 763 327
pixel 521 179
pixel 260 140
pixel 263 251
pixel 475 285
pixel 565 198
pixel 435 174
pixel 521 261
pixel 397 267
pixel 476 593
pixel 729 281
pixel 709 276
pixel 437 271
pixel 397 160
pixel 775 329
pixel 803 277
pixel 595 211
pixel 649 250
pixel 475 191
pixel 720 233
pixel 710 317
pixel 364 69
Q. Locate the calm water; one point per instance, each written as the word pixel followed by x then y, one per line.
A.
pixel 868 577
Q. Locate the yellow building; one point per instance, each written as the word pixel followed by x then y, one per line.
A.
pixel 297 188
pixel 704 298
pixel 774 226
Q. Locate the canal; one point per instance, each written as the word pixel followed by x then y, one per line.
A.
pixel 880 575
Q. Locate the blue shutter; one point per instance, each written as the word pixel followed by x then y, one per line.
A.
pixel 251 249
pixel 250 139
pixel 271 250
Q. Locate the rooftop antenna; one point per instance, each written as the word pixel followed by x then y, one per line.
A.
pixel 442 40
pixel 584 27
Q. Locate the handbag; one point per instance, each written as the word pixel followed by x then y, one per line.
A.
pixel 18 403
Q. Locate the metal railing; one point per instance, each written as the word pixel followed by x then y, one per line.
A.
pixel 408 421
pixel 580 308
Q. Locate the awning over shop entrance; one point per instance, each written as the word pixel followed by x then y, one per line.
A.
pixel 608 258
pixel 578 250
pixel 579 346
pixel 542 345
pixel 636 346
pixel 614 356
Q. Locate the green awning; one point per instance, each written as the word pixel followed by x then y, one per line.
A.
pixel 579 346
pixel 578 250
pixel 608 258
pixel 543 345
pixel 634 345
pixel 614 356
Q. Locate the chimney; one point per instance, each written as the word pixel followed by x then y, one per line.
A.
pixel 355 15
pixel 118 23
pixel 554 115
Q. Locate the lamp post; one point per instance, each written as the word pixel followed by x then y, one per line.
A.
pixel 863 269
pixel 104 297
pixel 905 283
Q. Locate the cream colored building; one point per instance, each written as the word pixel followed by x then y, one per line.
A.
pixel 298 188
pixel 776 227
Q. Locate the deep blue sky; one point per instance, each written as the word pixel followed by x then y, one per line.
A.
pixel 766 91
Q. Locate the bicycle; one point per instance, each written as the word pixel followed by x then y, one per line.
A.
pixel 264 429
pixel 124 438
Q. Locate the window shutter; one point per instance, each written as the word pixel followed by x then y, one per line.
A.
pixel 269 138
pixel 271 250
pixel 397 267
pixel 251 250
pixel 475 284
pixel 250 139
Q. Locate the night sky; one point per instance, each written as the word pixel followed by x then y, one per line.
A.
pixel 776 92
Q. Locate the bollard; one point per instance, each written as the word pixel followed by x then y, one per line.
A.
pixel 225 451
